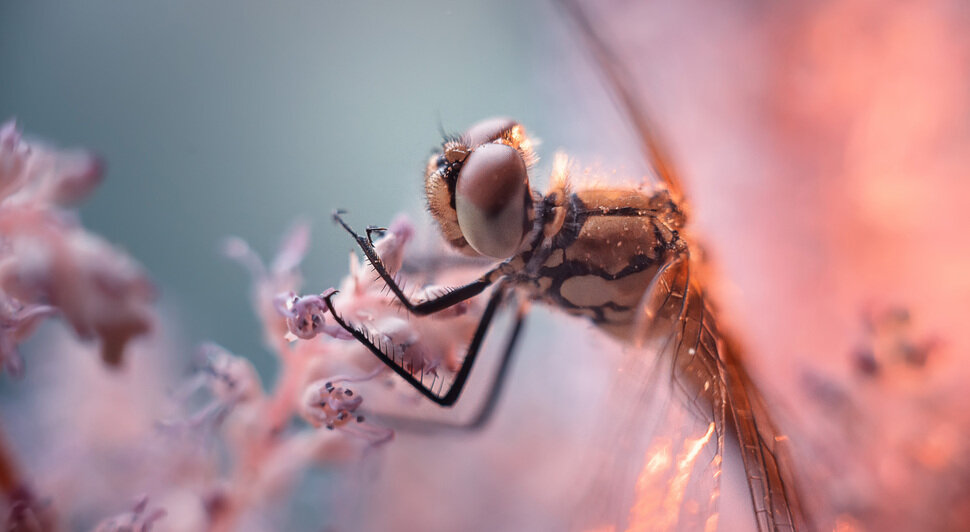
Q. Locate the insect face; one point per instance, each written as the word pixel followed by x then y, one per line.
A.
pixel 478 190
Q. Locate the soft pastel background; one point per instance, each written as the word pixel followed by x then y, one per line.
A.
pixel 824 149
pixel 235 118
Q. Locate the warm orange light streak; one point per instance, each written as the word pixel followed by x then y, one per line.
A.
pixel 657 506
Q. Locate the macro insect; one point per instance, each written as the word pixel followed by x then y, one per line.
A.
pixel 617 256
pixel 613 255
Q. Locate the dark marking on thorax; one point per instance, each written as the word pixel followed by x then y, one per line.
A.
pixel 604 256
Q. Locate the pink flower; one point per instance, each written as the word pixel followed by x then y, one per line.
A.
pixel 282 276
pixel 100 291
pixel 305 316
pixel 227 379
pixel 421 344
pixel 49 263
pixel 390 247
pixel 35 174
pixel 17 322
pixel 13 158
pixel 141 518
pixel 325 404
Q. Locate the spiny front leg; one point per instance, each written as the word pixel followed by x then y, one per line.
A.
pixel 394 358
pixel 450 298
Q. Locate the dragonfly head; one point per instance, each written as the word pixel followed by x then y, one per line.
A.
pixel 477 187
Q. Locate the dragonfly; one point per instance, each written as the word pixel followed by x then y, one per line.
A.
pixel 620 258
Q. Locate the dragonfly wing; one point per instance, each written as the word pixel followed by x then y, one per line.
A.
pixel 622 88
pixel 674 402
pixel 763 450
pixel 708 373
pixel 660 455
pixel 704 376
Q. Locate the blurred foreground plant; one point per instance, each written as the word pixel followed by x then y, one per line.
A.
pixel 218 451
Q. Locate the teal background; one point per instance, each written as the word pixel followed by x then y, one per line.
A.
pixel 235 118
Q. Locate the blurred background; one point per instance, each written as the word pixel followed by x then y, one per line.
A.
pixel 237 118
pixel 824 149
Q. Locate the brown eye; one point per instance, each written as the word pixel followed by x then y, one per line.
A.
pixel 490 200
pixel 486 131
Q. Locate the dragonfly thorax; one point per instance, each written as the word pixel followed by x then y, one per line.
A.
pixel 598 249
pixel 590 251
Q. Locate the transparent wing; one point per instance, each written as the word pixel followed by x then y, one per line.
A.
pixel 708 373
pixel 673 404
pixel 763 452
pixel 622 88
pixel 666 413
pixel 683 390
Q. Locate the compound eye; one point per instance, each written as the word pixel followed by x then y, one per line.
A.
pixel 490 200
pixel 486 131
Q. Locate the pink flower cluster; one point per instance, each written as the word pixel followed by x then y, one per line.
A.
pixel 139 519
pixel 318 363
pixel 51 266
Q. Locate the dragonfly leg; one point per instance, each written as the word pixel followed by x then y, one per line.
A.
pixel 386 352
pixel 498 382
pixel 371 229
pixel 487 408
pixel 430 306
